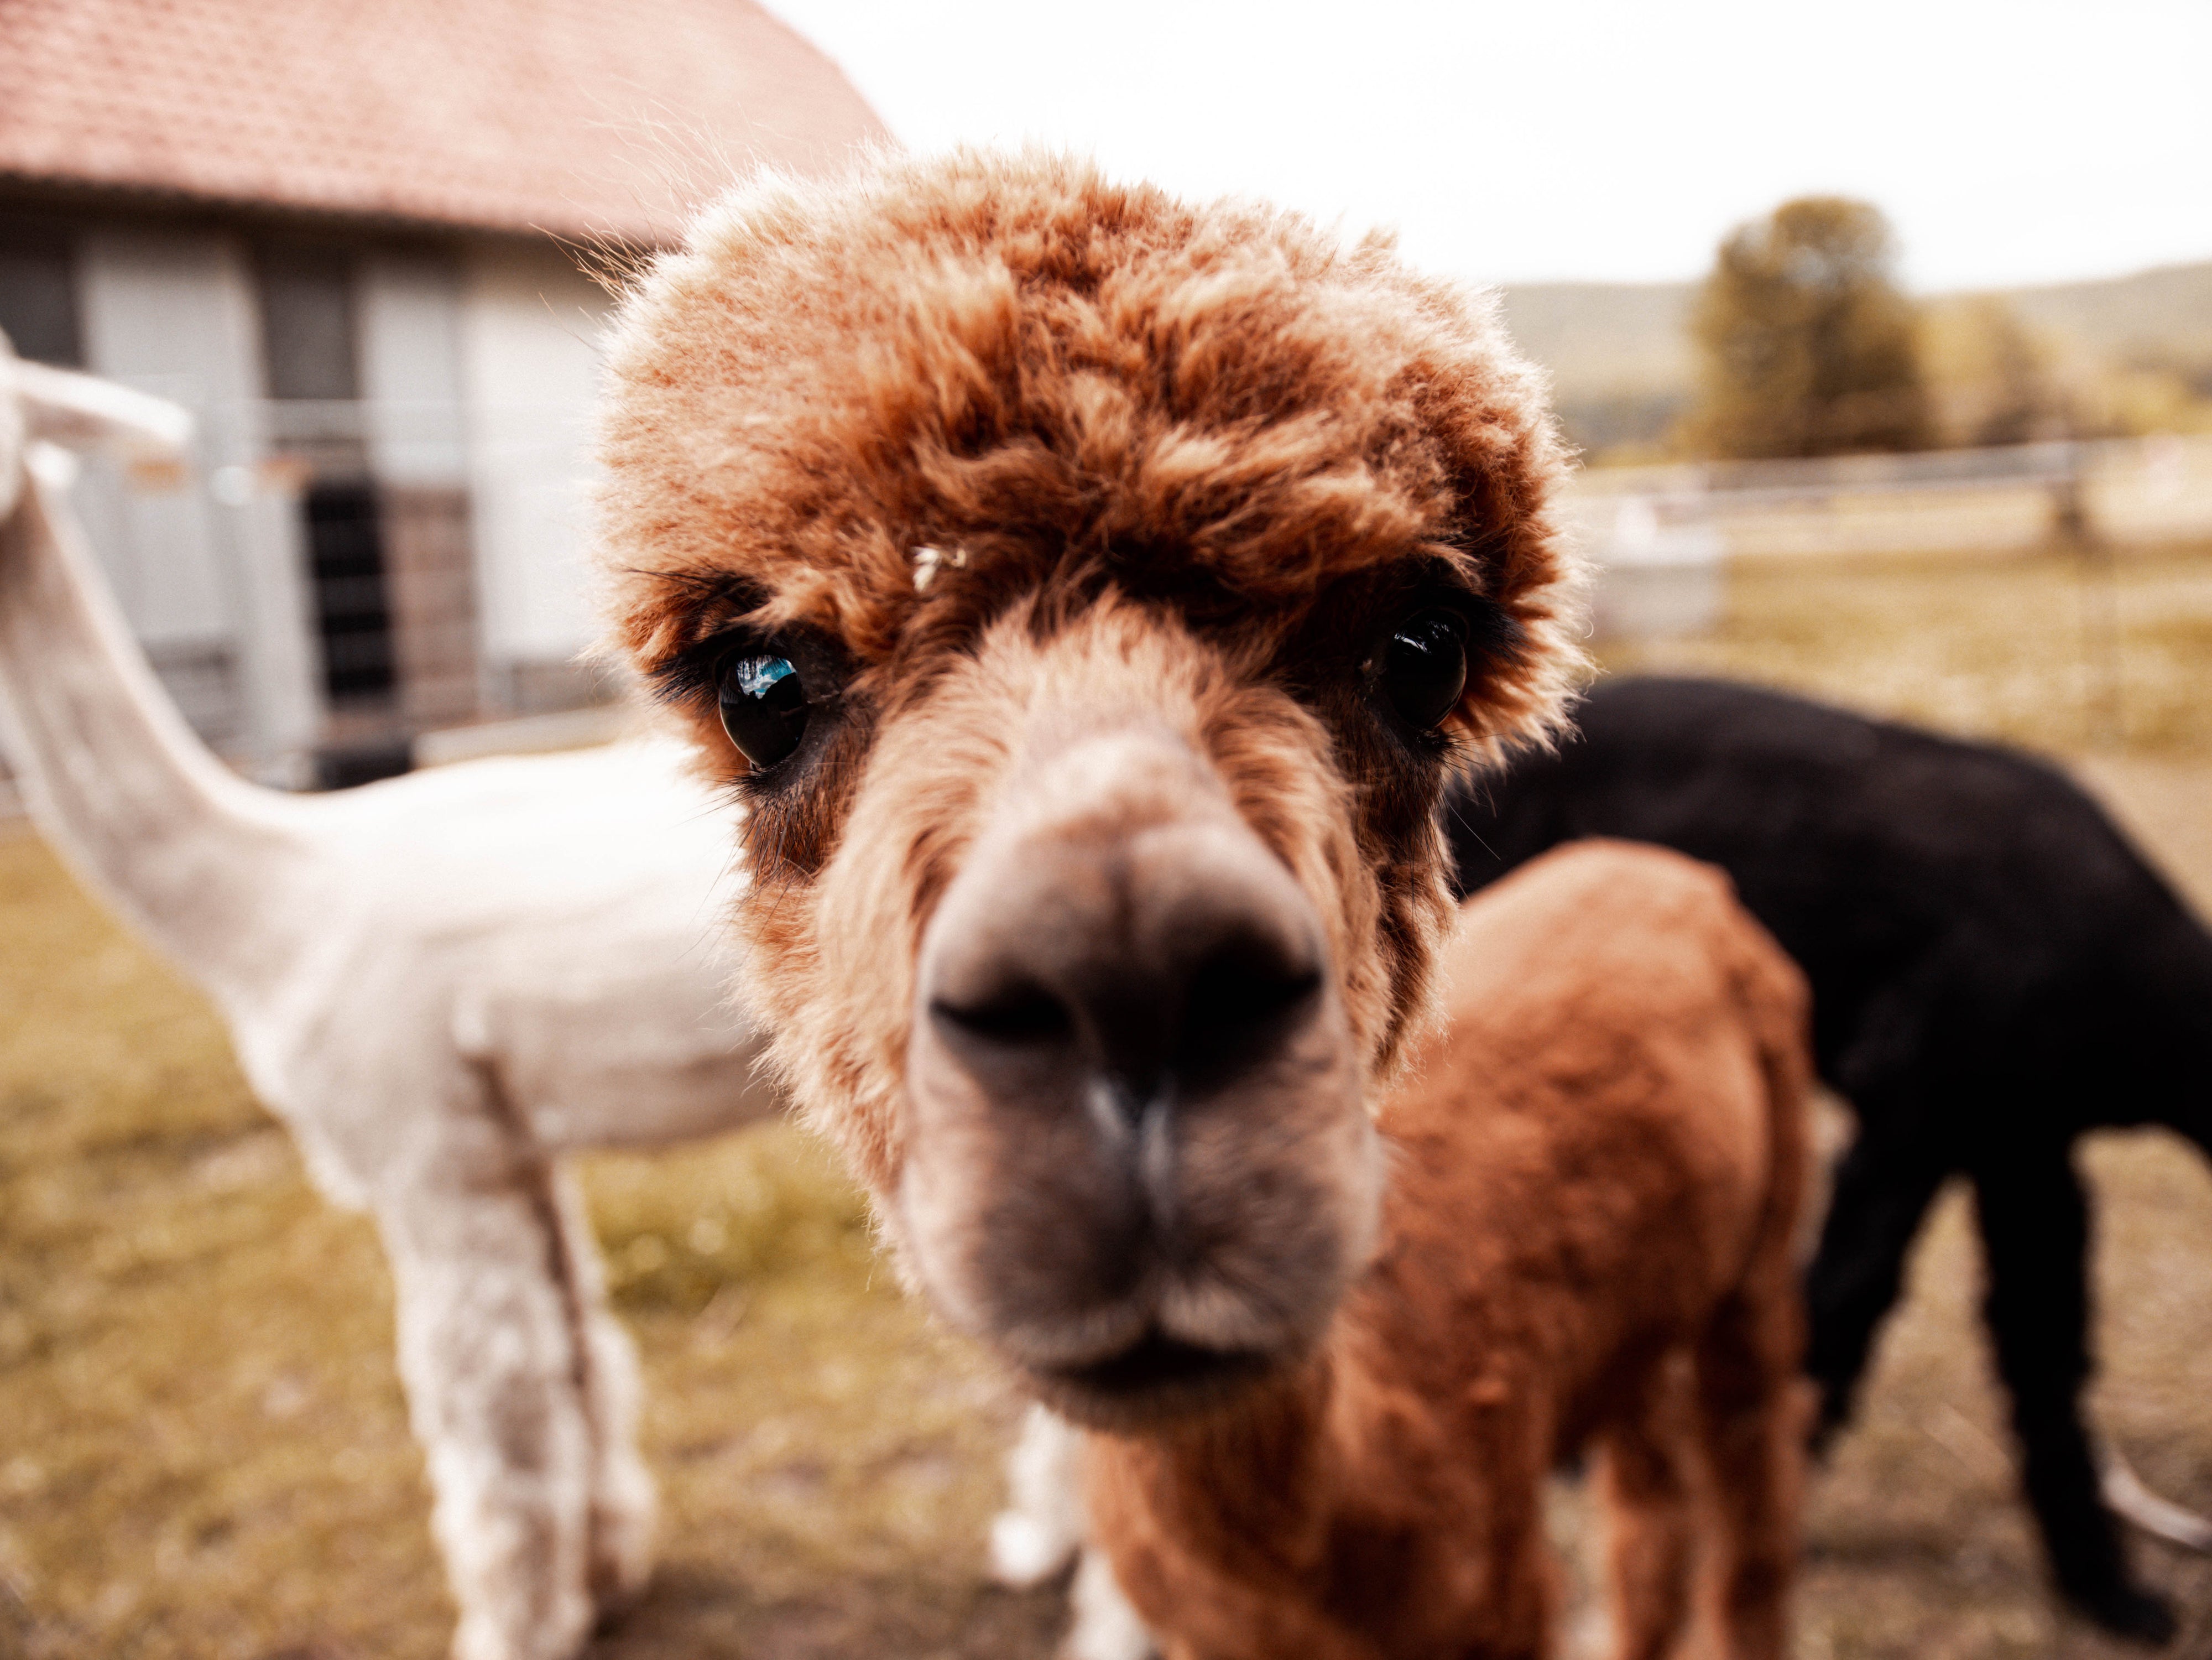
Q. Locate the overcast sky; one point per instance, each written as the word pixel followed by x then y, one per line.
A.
pixel 2015 142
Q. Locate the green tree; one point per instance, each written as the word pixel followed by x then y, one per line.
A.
pixel 1807 343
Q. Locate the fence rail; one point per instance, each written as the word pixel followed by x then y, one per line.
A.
pixel 395 567
pixel 2144 490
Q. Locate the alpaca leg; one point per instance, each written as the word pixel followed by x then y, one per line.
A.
pixel 494 1371
pixel 2034 1220
pixel 1648 1494
pixel 1882 1189
pixel 1751 1405
pixel 1042 1525
pixel 622 1494
pixel 1104 1626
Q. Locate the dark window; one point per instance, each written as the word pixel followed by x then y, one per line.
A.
pixel 306 324
pixel 38 295
pixel 353 610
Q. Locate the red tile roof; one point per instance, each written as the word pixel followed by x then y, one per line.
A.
pixel 586 118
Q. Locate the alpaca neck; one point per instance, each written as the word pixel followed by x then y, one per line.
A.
pixel 1261 1471
pixel 1312 1510
pixel 192 856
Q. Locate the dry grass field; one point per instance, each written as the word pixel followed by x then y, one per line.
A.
pixel 203 1452
pixel 2046 650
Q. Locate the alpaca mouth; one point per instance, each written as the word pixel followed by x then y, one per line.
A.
pixel 1158 1375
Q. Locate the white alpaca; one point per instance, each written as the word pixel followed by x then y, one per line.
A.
pixel 440 983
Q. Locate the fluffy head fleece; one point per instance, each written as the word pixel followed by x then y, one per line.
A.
pixel 946 428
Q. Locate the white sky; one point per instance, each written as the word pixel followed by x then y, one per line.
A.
pixel 1617 140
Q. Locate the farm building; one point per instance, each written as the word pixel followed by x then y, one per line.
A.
pixel 349 238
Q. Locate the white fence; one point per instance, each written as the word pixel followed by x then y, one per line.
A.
pixel 1661 534
pixel 466 600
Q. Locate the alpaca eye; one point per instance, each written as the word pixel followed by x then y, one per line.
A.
pixel 763 705
pixel 1422 667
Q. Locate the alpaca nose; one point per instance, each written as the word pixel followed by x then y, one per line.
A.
pixel 1129 975
pixel 1133 1102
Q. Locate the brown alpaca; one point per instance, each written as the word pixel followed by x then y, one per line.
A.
pixel 1090 595
pixel 1586 1240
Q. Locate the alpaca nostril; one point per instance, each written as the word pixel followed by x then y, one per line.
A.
pixel 1238 1002
pixel 1022 1015
pixel 1146 1028
pixel 1238 989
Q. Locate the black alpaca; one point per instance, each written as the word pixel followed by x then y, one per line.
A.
pixel 1995 970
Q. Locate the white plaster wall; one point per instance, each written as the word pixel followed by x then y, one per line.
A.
pixel 410 310
pixel 173 312
pixel 531 324
pixel 169 314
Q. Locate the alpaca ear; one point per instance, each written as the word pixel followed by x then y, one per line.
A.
pixel 39 403
pixel 82 410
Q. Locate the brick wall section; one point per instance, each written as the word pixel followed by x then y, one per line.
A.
pixel 430 575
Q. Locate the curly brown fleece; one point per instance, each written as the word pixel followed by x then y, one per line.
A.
pixel 1218 423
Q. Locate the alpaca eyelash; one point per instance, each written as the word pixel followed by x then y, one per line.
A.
pixel 716 602
pixel 684 679
pixel 1495 638
pixel 690 674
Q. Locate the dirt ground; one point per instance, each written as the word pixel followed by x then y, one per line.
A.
pixel 204 1451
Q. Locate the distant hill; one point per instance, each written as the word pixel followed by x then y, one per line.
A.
pixel 1606 337
pixel 2163 316
pixel 1622 366
pixel 1619 354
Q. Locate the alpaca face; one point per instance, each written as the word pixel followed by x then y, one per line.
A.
pixel 1090 730
pixel 1137 1159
